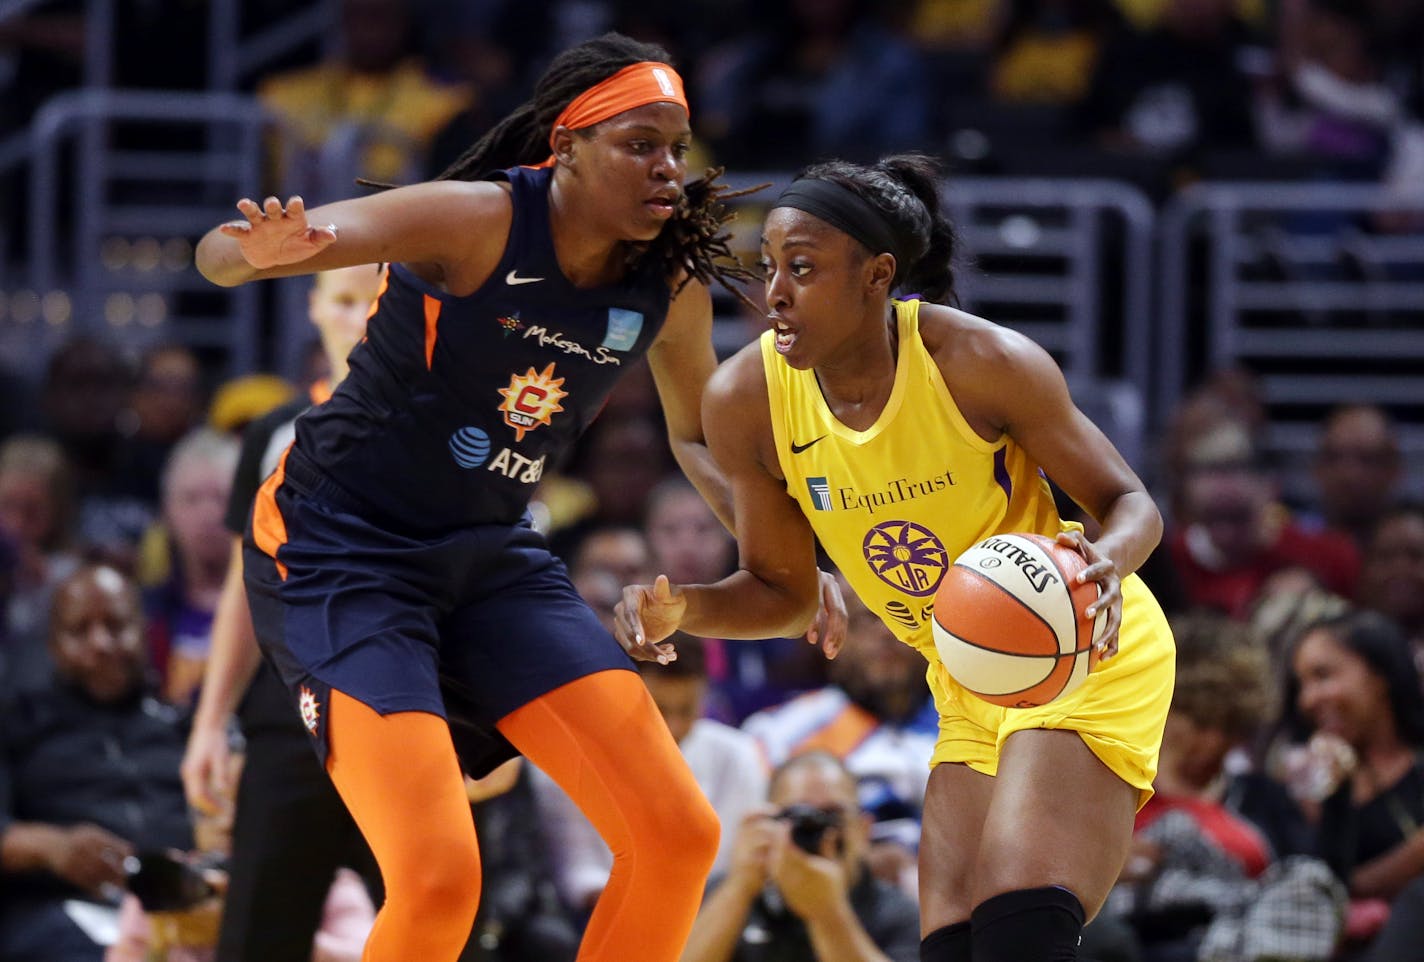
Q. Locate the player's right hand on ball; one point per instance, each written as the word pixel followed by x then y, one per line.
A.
pixel 271 235
pixel 646 615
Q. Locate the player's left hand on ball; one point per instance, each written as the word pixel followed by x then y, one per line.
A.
pixel 646 615
pixel 1103 570
pixel 829 628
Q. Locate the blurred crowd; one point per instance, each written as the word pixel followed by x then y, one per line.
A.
pixel 1156 91
pixel 1290 798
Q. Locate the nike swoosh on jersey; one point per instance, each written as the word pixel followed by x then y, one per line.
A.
pixel 798 448
pixel 513 278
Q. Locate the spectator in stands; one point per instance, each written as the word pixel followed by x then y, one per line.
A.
pixel 196 481
pixel 1392 572
pixel 1227 396
pixel 621 459
pixel 85 388
pixel 1353 691
pixel 243 399
pixel 1204 842
pixel 1046 50
pixel 1176 89
pixel 377 87
pixel 876 716
pixel 817 77
pixel 1329 100
pixel 604 561
pixel 166 403
pixel 963 27
pixel 37 517
pixel 798 888
pixel 1233 534
pixel 1358 469
pixel 88 774
pixel 1222 703
pixel 724 761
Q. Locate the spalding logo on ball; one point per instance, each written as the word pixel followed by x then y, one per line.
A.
pixel 1009 623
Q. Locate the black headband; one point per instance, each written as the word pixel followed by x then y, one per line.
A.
pixel 847 211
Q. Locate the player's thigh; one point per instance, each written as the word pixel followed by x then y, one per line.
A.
pixel 1058 816
pixel 530 637
pixel 956 804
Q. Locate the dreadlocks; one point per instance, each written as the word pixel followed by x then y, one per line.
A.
pixel 692 244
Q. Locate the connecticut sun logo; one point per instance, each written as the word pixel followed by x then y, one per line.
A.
pixel 906 556
pixel 531 399
pixel 310 709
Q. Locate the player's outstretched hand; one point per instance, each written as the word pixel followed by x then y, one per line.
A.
pixel 829 628
pixel 271 235
pixel 646 615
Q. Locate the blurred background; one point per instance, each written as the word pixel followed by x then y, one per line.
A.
pixel 1156 190
pixel 1211 212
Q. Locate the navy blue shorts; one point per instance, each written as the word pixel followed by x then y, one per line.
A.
pixel 469 624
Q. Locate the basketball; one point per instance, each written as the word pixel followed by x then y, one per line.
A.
pixel 1009 622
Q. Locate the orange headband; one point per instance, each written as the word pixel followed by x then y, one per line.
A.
pixel 636 85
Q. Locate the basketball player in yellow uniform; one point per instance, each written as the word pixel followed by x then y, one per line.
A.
pixel 899 433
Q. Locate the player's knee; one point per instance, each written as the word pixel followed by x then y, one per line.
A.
pixel 685 833
pixel 448 877
pixel 703 831
pixel 1043 924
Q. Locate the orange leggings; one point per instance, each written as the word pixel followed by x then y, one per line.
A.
pixel 602 740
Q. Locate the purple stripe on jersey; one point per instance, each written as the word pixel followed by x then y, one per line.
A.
pixel 1001 473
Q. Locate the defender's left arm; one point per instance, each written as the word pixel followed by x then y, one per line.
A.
pixel 682 359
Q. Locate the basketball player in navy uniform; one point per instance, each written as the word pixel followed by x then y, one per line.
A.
pixel 393 575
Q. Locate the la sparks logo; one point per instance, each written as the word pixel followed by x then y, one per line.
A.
pixel 531 399
pixel 510 324
pixel 311 711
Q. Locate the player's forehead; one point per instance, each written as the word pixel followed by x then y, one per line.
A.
pixel 666 120
pixel 787 228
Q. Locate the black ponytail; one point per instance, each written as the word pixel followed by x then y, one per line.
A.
pixel 905 189
pixel 523 136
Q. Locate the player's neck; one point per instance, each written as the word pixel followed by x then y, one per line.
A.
pixel 857 383
pixel 587 254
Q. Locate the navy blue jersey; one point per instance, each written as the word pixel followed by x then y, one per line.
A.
pixel 455 406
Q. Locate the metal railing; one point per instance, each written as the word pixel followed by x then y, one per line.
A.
pixel 160 198
pixel 1289 280
pixel 1295 282
pixel 1065 262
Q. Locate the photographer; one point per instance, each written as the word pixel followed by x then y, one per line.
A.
pixel 798 887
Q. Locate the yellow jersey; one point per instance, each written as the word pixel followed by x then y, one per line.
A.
pixel 895 504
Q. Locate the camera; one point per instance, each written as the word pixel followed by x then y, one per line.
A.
pixel 164 882
pixel 809 824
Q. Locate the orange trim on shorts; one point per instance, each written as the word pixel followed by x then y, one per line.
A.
pixel 432 319
pixel 320 391
pixel 269 528
pixel 845 732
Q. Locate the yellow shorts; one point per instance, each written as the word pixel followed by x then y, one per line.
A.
pixel 1118 711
